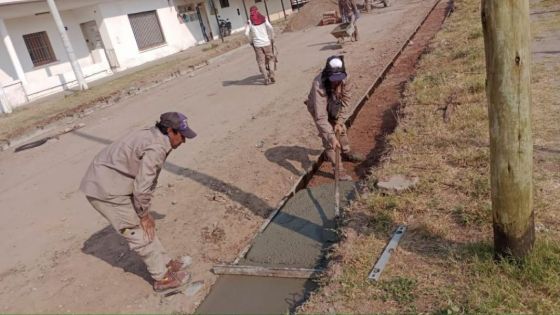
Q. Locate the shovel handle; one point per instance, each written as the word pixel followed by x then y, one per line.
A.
pixel 336 178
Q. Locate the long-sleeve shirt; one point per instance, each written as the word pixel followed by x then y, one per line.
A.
pixel 325 109
pixel 128 167
pixel 260 35
pixel 348 9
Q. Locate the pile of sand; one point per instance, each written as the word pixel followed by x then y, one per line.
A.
pixel 310 14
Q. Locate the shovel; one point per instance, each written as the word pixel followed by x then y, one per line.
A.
pixel 336 176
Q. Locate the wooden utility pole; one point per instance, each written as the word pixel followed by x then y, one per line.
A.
pixel 508 78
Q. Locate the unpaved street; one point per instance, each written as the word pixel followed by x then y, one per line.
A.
pixel 60 255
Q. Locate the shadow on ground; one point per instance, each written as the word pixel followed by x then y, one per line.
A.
pixel 252 80
pixel 283 155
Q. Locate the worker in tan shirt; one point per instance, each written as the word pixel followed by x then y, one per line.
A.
pixel 328 103
pixel 120 183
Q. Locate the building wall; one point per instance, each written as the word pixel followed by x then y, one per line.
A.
pixel 7 71
pixel 52 77
pixel 238 21
pixel 117 32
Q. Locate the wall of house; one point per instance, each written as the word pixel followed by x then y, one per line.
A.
pixel 239 19
pixel 7 71
pixel 56 76
pixel 118 36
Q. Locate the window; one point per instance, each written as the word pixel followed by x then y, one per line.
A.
pixel 147 30
pixel 224 3
pixel 39 48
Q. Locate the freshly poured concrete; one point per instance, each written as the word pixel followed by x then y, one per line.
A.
pixel 255 295
pixel 299 233
pixel 295 238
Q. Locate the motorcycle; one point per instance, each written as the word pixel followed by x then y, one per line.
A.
pixel 224 27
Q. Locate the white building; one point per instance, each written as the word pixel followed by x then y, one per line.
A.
pixel 104 36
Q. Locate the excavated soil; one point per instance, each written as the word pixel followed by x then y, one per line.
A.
pixel 310 14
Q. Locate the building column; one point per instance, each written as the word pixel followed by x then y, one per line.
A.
pixel 68 46
pixel 6 108
pixel 13 57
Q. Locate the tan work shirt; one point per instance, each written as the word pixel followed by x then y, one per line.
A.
pixel 128 167
pixel 325 109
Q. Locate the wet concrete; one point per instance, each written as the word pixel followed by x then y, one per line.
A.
pixel 255 295
pixel 299 234
pixel 296 237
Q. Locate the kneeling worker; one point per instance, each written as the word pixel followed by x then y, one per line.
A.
pixel 120 183
pixel 328 103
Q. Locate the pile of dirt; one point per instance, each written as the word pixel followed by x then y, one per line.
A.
pixel 310 14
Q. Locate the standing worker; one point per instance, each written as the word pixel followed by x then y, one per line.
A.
pixel 120 183
pixel 367 5
pixel 328 104
pixel 261 36
pixel 349 14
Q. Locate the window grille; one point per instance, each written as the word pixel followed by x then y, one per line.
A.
pixel 39 48
pixel 147 30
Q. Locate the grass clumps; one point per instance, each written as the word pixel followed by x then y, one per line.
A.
pixel 445 262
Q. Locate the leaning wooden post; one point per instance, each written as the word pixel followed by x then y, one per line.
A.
pixel 508 78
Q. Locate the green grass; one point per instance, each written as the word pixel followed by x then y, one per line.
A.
pixel 445 263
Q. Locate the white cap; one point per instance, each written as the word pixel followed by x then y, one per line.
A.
pixel 335 63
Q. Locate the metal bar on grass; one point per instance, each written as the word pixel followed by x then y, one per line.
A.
pixel 389 249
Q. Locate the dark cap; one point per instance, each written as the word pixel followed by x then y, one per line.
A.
pixel 178 122
pixel 335 68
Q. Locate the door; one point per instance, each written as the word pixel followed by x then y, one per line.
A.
pixel 93 40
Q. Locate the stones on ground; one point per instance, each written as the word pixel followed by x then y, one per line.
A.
pixel 397 183
pixel 539 227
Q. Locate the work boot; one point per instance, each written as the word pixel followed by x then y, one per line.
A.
pixel 272 79
pixel 352 157
pixel 266 81
pixel 172 280
pixel 179 264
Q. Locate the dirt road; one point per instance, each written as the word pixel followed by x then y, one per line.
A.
pixel 59 255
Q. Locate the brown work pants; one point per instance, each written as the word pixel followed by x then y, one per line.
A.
pixel 330 152
pixel 367 5
pixel 265 58
pixel 120 213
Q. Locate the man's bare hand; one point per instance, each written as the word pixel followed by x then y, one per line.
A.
pixel 334 143
pixel 149 226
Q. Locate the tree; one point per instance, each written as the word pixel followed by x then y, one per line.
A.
pixel 508 76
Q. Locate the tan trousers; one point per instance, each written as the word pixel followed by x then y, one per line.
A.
pixel 329 151
pixel 120 213
pixel 265 57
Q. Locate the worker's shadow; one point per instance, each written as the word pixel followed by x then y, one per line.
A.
pixel 283 155
pixel 252 80
pixel 112 248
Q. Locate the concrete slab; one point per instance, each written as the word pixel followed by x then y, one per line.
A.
pixel 301 231
pixel 255 295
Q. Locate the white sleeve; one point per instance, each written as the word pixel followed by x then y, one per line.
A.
pixel 269 29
